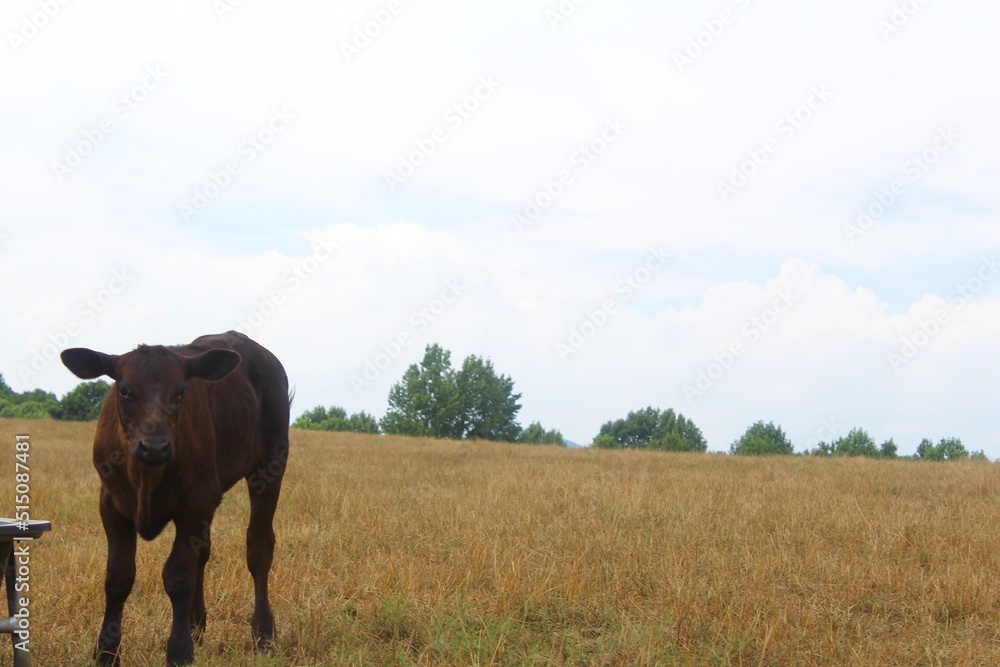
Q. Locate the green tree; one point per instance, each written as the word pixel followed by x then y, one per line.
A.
pixel 34 404
pixel 676 433
pixel 425 402
pixel 336 419
pixel 926 451
pixel 762 439
pixel 5 391
pixel 489 405
pixel 947 449
pixel 952 449
pixel 535 434
pixel 321 419
pixel 649 428
pixel 433 400
pixel 636 431
pixel 83 404
pixel 606 442
pixel 888 449
pixel 856 443
pixel 362 422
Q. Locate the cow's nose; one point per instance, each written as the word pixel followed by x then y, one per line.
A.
pixel 154 452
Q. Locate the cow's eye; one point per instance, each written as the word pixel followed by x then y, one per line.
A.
pixel 181 393
pixel 125 392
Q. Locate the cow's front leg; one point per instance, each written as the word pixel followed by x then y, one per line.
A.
pixel 118 580
pixel 180 581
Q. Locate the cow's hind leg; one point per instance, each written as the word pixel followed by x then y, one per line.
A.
pixel 202 549
pixel 264 487
pixel 118 581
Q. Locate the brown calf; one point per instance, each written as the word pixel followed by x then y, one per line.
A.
pixel 180 426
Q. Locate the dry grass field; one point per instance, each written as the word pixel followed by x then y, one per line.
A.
pixel 394 551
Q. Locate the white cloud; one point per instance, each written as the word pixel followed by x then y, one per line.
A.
pixel 654 186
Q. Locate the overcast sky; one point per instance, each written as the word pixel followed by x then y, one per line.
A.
pixel 741 210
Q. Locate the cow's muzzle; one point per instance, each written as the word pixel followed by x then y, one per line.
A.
pixel 154 452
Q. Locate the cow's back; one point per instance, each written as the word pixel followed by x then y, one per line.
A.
pixel 250 407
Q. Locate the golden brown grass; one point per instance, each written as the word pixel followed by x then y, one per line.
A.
pixel 400 551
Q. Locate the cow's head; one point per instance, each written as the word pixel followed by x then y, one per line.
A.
pixel 150 383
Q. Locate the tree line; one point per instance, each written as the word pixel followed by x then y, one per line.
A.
pixel 83 403
pixel 650 428
pixel 765 439
pixel 434 399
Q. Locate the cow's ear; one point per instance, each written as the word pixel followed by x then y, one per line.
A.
pixel 213 365
pixel 88 364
